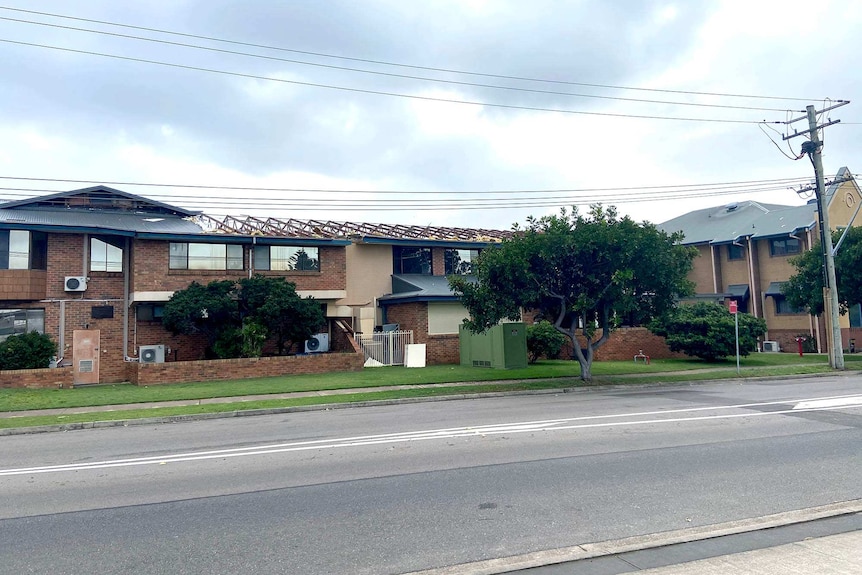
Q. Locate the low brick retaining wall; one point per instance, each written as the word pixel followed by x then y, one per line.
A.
pixel 241 368
pixel 48 378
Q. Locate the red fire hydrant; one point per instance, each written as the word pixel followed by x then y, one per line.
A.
pixel 799 341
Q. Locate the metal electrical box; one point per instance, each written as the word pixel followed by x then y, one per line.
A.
pixel 503 346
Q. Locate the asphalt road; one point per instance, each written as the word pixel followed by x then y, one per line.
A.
pixel 394 489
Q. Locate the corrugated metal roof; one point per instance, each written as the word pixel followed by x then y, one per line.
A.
pixel 106 220
pixel 419 287
pixel 727 223
pixel 99 197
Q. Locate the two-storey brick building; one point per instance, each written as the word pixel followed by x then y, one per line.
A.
pixel 744 253
pixel 93 268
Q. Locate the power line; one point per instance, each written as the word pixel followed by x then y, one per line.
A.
pixel 401 65
pixel 691 187
pixel 382 93
pixel 403 76
pixel 303 204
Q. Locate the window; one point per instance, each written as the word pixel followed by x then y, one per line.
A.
pixel 23 250
pixel 784 247
pixel 735 252
pixel 18 321
pixel 106 255
pixel 411 260
pixel 287 258
pixel 185 256
pixel 783 307
pixel 150 311
pixel 460 262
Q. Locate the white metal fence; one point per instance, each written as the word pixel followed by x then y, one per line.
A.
pixel 386 347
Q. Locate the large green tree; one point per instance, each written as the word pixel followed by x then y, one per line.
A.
pixel 236 318
pixel 708 331
pixel 273 303
pixel 582 273
pixel 207 310
pixel 804 290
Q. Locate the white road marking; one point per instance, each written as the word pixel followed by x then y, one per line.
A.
pixel 799 405
pixel 830 402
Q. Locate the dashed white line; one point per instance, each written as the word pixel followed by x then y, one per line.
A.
pixel 641 418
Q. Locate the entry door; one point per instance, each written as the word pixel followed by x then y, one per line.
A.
pixel 85 356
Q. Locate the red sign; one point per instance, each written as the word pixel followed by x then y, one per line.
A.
pixel 732 306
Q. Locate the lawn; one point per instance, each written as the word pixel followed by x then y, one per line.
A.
pixel 548 374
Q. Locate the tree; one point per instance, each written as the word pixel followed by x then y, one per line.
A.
pixel 804 290
pixel 208 310
pixel 544 339
pixel 30 350
pixel 581 272
pixel 273 303
pixel 707 330
pixel 237 318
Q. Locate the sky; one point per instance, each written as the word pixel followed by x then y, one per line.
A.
pixel 460 113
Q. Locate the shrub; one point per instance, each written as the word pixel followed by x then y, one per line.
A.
pixel 27 351
pixel 706 330
pixel 544 339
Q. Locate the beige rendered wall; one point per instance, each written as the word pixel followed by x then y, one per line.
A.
pixel 369 276
pixel 445 317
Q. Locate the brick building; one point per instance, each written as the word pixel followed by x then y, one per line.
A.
pixel 94 267
pixel 744 252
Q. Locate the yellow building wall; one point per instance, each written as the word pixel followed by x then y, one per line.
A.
pixel 701 273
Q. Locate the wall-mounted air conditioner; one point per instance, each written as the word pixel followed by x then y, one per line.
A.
pixel 771 346
pixel 75 283
pixel 318 343
pixel 152 354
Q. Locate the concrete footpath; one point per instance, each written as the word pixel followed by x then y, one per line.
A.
pixel 834 554
pixel 818 540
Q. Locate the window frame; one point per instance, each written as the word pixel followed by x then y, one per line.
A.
pixel 423 254
pixel 38 325
pixel 268 259
pixel 107 261
pixel 776 251
pixel 447 260
pixel 783 308
pixel 735 252
pixel 187 257
pixel 36 254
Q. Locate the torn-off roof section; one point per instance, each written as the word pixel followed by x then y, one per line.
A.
pixel 293 228
pixel 101 198
pixel 720 224
pixel 785 221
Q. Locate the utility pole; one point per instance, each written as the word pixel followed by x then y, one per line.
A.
pixel 830 298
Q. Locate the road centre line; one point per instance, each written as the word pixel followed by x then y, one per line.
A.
pixel 448 433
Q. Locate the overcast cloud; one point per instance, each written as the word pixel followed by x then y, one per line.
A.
pixel 74 116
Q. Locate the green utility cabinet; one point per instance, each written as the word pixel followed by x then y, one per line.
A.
pixel 504 346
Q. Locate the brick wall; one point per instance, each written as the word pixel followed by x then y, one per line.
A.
pixel 151 273
pixel 60 377
pixel 22 284
pixel 222 369
pixel 442 349
pixel 439 349
pixel 624 343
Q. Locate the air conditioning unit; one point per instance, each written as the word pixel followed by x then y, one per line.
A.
pixel 152 354
pixel 75 283
pixel 318 343
pixel 771 346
